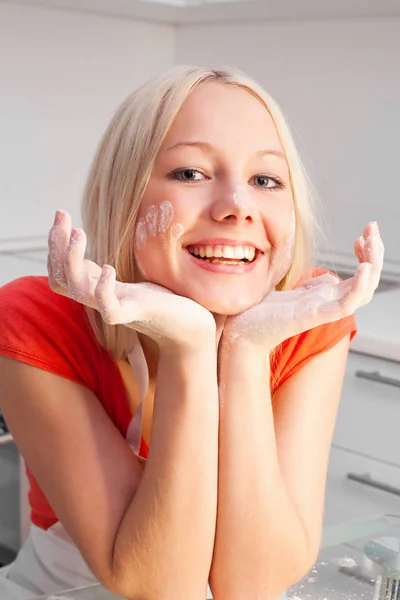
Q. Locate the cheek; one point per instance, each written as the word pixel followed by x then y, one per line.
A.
pixel 282 250
pixel 155 232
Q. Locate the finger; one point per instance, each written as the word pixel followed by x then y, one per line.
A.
pixel 58 239
pixel 374 253
pixel 80 286
pixel 332 303
pixel 350 294
pixel 107 301
pixel 321 279
pixel 359 249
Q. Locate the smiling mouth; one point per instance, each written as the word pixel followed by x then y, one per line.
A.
pixel 223 255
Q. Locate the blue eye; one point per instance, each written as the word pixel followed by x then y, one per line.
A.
pixel 188 175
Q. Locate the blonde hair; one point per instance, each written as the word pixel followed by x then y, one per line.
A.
pixel 123 165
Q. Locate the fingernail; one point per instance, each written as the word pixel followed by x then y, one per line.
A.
pixel 58 217
pixel 374 225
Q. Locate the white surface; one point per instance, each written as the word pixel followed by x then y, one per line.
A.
pixel 379 327
pixel 62 76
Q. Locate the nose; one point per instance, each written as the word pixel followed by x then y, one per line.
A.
pixel 234 204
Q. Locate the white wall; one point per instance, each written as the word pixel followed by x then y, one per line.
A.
pixel 62 75
pixel 339 85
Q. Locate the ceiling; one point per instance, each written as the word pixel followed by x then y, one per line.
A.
pixel 186 3
pixel 212 11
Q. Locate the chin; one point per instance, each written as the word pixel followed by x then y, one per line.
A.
pixel 229 307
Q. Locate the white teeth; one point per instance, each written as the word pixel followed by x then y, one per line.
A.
pixel 209 252
pixel 251 252
pixel 228 252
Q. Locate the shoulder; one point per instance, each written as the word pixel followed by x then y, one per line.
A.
pixel 46 330
pixel 29 303
pixel 32 289
pixel 298 350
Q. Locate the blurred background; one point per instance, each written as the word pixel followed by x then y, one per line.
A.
pixel 334 68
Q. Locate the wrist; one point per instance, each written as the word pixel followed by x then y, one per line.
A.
pixel 180 369
pixel 239 346
pixel 244 358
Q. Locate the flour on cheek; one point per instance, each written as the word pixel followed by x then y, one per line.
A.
pixel 157 225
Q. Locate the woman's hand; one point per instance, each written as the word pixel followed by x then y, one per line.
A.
pixel 281 315
pixel 70 274
pixel 174 322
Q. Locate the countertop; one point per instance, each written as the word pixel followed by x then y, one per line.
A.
pixel 379 326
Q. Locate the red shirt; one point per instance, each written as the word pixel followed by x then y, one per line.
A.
pixel 51 332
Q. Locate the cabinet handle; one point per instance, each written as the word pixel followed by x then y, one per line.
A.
pixel 367 480
pixel 376 376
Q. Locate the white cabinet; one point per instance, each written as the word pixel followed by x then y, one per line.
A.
pixel 369 412
pixel 364 467
pixel 359 487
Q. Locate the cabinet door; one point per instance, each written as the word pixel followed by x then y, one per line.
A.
pixel 358 487
pixel 369 412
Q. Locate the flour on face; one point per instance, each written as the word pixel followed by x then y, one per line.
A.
pixel 158 222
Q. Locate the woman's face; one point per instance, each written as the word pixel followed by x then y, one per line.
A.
pixel 216 223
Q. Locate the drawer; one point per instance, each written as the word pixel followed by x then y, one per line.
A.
pixel 369 412
pixel 353 487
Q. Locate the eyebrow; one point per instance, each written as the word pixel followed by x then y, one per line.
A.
pixel 209 148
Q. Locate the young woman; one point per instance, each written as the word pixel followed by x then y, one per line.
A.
pixel 173 384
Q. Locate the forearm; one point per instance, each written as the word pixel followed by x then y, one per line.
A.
pixel 260 543
pixel 166 538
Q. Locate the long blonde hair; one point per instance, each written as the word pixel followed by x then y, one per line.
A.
pixel 123 165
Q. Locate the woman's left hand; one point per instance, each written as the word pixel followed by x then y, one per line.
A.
pixel 283 314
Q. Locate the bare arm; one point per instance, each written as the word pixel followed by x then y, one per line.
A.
pixel 134 528
pixel 272 472
pixel 169 527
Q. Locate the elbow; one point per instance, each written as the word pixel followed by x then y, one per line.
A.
pixel 125 588
pixel 299 561
pixel 142 583
pixel 120 586
pixel 119 577
pixel 275 573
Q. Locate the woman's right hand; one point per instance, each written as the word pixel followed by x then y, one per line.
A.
pixel 173 322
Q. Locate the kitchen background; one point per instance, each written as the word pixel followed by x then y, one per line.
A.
pixel 334 67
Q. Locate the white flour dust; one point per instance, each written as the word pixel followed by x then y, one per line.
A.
pixel 158 221
pixel 240 197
